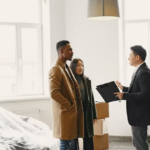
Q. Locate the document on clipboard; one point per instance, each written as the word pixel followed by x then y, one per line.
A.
pixel 107 91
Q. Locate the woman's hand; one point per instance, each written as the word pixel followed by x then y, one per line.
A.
pixel 94 120
pixel 119 85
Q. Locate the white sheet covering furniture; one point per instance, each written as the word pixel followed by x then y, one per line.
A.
pixel 24 133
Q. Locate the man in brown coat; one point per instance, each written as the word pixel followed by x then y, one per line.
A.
pixel 66 100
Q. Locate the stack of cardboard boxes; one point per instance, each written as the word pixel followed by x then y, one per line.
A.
pixel 101 138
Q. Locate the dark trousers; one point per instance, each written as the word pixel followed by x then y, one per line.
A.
pixel 140 137
pixel 88 143
pixel 69 144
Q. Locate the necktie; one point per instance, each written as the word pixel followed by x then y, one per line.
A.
pixel 132 79
pixel 132 75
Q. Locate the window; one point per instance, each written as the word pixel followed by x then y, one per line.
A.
pixel 20 48
pixel 136 21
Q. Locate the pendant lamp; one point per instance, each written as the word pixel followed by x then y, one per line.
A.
pixel 102 10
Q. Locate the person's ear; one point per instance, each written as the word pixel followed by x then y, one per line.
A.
pixel 61 51
pixel 137 57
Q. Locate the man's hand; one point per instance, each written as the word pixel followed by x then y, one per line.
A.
pixel 119 85
pixel 119 95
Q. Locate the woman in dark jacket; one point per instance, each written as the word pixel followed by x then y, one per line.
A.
pixel 89 109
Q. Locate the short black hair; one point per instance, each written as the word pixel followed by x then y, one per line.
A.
pixel 139 50
pixel 73 66
pixel 61 44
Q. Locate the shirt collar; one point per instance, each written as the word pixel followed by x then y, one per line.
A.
pixel 136 68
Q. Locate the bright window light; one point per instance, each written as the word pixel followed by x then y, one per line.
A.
pixel 136 22
pixel 23 11
pixel 137 9
pixel 20 48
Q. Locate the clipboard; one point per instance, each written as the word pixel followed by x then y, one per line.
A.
pixel 107 91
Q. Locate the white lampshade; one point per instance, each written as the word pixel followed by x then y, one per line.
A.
pixel 102 10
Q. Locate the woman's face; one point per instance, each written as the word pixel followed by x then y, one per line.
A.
pixel 79 68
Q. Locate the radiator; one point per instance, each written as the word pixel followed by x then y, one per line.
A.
pixel 34 113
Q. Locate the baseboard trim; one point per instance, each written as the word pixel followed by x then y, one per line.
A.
pixel 122 138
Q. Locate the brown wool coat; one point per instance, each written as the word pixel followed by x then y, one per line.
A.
pixel 67 109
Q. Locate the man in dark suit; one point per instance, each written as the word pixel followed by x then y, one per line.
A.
pixel 137 96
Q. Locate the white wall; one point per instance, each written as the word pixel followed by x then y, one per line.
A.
pixel 57 25
pixel 96 43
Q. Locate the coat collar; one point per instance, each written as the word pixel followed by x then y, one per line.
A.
pixel 143 65
pixel 87 84
pixel 86 78
pixel 136 68
pixel 69 74
pixel 58 61
pixel 65 67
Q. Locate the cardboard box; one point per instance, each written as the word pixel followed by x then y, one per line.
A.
pixel 101 142
pixel 102 110
pixel 100 127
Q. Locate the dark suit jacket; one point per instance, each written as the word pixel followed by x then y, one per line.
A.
pixel 138 97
